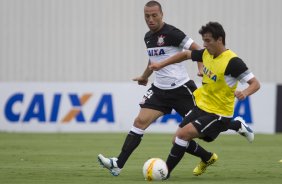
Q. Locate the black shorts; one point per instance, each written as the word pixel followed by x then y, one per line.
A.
pixel 180 99
pixel 208 125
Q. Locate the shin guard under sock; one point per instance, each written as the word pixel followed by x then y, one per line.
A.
pixel 198 151
pixel 130 144
pixel 175 155
pixel 234 125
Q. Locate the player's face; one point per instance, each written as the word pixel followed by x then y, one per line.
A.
pixel 212 45
pixel 153 18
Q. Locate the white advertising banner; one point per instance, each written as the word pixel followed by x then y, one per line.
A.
pixel 104 107
pixel 259 110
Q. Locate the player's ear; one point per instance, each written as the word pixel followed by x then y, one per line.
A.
pixel 162 15
pixel 220 39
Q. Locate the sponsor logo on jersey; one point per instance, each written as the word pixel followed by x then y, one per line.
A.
pixel 156 52
pixel 209 73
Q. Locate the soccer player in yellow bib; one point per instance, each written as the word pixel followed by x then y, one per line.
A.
pixel 215 99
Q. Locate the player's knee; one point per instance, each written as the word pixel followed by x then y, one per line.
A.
pixel 187 133
pixel 182 135
pixel 140 123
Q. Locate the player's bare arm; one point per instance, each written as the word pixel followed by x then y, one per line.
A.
pixel 179 57
pixel 254 85
pixel 195 46
pixel 144 78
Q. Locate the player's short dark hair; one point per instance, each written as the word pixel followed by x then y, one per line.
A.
pixel 154 3
pixel 215 29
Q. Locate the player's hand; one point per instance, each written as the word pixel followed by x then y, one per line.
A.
pixel 141 80
pixel 200 74
pixel 240 95
pixel 155 66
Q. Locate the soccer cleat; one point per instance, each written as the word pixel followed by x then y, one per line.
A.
pixel 202 166
pixel 110 164
pixel 245 130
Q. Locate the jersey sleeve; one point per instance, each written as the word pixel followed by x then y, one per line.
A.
pixel 197 55
pixel 238 69
pixel 178 38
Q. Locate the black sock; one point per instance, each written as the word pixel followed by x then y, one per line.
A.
pixel 234 125
pixel 130 144
pixel 176 154
pixel 198 151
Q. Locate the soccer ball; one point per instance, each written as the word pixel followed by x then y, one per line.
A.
pixel 155 169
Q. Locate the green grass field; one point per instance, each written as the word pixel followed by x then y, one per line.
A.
pixel 72 158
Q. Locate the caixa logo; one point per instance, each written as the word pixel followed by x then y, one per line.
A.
pixel 36 108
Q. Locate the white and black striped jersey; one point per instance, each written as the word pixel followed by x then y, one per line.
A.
pixel 163 44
